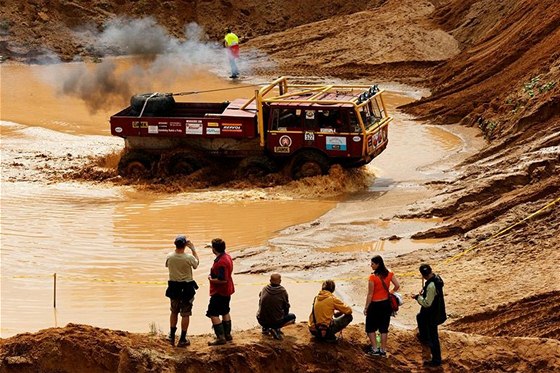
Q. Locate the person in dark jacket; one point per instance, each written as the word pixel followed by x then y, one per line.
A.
pixel 274 307
pixel 432 313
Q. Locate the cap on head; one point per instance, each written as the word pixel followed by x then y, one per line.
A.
pixel 180 241
pixel 425 269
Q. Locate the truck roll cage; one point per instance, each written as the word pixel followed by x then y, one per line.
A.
pixel 320 96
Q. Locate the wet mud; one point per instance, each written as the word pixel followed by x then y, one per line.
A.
pixel 62 173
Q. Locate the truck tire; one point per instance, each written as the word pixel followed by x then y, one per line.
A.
pixel 159 104
pixel 256 167
pixel 136 164
pixel 308 164
pixel 182 164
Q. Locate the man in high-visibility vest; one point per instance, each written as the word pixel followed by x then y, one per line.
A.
pixel 231 42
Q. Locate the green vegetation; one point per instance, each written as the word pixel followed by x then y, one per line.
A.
pixel 487 127
pixel 532 86
pixel 547 87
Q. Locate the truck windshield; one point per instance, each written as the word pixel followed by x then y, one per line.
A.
pixel 371 113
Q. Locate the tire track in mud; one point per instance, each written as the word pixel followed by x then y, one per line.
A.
pixel 535 316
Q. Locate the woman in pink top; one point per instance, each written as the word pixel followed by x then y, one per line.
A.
pixel 378 309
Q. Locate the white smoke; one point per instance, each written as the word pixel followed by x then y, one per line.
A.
pixel 164 57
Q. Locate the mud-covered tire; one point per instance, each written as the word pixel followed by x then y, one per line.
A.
pixel 159 104
pixel 309 164
pixel 136 164
pixel 255 167
pixel 182 164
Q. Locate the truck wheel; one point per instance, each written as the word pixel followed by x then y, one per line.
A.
pixel 255 167
pixel 136 164
pixel 308 164
pixel 159 104
pixel 182 164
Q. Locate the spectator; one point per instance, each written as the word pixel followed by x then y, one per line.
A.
pixel 324 323
pixel 432 313
pixel 378 308
pixel 181 287
pixel 221 289
pixel 274 307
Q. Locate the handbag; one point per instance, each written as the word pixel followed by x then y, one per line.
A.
pixel 322 331
pixel 393 301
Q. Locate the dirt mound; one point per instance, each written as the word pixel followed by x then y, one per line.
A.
pixel 535 316
pixel 86 349
pixel 30 31
pixel 505 81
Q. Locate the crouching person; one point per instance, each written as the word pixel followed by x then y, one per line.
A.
pixel 324 322
pixel 274 307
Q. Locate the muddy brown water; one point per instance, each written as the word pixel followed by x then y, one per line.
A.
pixel 107 244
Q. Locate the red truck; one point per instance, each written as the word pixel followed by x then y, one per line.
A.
pixel 299 129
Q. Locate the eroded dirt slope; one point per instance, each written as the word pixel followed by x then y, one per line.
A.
pixel 491 64
pixel 86 349
pixel 29 29
pixel 539 313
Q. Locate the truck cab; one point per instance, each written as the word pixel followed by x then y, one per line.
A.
pixel 331 124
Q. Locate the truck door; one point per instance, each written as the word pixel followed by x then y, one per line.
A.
pixel 285 134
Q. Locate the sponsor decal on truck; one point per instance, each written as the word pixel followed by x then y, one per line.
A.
pixel 227 127
pixel 336 143
pixel 193 128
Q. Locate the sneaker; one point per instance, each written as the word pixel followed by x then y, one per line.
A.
pixel 265 331
pixel 184 342
pixel 377 352
pixel 276 333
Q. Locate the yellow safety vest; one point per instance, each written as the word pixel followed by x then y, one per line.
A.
pixel 231 39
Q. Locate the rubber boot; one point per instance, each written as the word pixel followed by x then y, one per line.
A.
pixel 220 337
pixel 227 330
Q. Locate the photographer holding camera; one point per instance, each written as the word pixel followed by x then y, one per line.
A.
pixel 431 314
pixel 181 287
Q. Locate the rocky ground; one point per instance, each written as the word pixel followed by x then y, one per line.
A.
pixel 490 64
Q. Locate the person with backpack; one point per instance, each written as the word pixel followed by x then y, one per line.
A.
pixel 378 309
pixel 329 315
pixel 432 313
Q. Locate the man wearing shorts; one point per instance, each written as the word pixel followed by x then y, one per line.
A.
pixel 221 289
pixel 181 287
